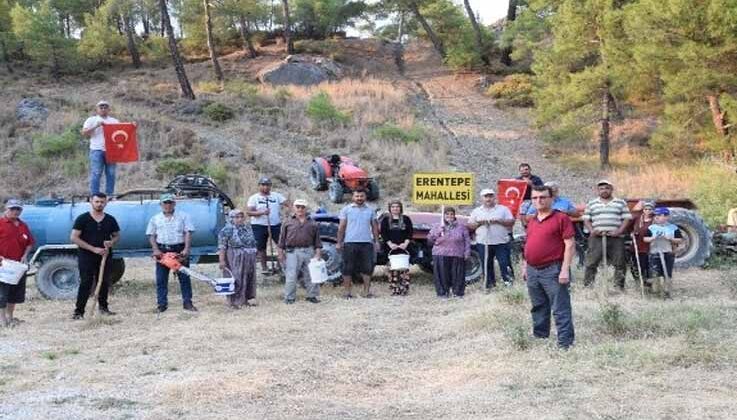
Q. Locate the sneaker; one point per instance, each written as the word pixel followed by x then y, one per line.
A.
pixel 313 300
pixel 77 316
pixel 508 284
pixel 347 296
pixel 161 308
pixel 190 307
pixel 106 311
pixel 289 301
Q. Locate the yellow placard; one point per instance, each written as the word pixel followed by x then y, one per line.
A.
pixel 451 188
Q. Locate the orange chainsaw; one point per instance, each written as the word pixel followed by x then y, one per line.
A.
pixel 222 286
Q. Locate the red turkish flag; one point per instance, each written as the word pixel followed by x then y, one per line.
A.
pixel 120 142
pixel 511 193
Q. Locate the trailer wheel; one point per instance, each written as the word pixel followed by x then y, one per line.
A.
pixel 373 190
pixel 58 277
pixel 117 270
pixel 335 191
pixel 696 247
pixel 318 178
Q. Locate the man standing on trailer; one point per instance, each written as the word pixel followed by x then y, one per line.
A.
pixel 264 207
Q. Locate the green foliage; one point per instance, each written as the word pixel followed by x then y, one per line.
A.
pixel 322 18
pixel 169 168
pixel 393 132
pixel 156 50
pixel 513 296
pixel 42 36
pixel 58 145
pixel 713 191
pixel 321 110
pixel 75 166
pixel 219 172
pixel 218 112
pixel 612 319
pixel 249 92
pixel 514 90
pixel 518 333
pixel 210 86
pixel 100 40
pixel 282 95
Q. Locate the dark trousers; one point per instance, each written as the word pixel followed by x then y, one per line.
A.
pixel 614 255
pixel 162 278
pixel 644 265
pixel 89 269
pixel 657 265
pixel 502 254
pixel 449 274
pixel 547 294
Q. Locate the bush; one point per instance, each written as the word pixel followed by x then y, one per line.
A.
pixel 612 319
pixel 320 109
pixel 389 131
pixel 513 296
pixel 514 90
pixel 218 112
pixel 58 145
pixel 210 86
pixel 219 172
pixel 242 89
pixel 155 49
pixel 518 334
pixel 713 191
pixel 75 166
pixel 173 167
pixel 282 95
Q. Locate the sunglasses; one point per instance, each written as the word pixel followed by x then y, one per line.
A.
pixel 540 197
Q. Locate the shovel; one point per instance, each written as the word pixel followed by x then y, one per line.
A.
pixel 100 279
pixel 639 269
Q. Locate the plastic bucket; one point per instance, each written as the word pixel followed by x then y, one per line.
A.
pixel 318 271
pixel 224 286
pixel 12 271
pixel 399 261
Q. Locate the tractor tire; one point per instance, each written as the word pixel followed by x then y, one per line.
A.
pixel 697 244
pixel 58 277
pixel 474 269
pixel 373 190
pixel 335 192
pixel 117 270
pixel 334 261
pixel 318 178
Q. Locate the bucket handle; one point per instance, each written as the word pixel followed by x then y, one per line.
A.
pixel 229 272
pixel 398 249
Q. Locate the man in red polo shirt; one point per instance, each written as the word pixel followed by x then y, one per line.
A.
pixel 16 243
pixel 549 250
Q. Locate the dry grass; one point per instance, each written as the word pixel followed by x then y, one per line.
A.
pixel 413 357
pixel 658 180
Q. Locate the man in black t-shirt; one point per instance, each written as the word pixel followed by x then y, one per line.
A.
pixel 95 233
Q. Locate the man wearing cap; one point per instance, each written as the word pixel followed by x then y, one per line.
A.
pixel 492 223
pixel 171 231
pixel 264 207
pixel 92 128
pixel 16 243
pixel 95 233
pixel 299 242
pixel 606 217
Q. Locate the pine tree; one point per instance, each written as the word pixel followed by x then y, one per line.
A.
pixel 478 37
pixel 42 34
pixel 6 34
pixel 100 39
pixel 187 91
pixel 287 28
pixel 211 41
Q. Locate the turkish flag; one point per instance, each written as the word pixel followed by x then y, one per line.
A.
pixel 120 142
pixel 511 193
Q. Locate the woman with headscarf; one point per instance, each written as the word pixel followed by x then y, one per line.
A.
pixel 396 234
pixel 639 230
pixel 451 244
pixel 237 254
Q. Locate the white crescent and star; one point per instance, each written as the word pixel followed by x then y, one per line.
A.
pixel 510 189
pixel 116 137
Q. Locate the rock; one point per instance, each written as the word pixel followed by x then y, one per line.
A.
pixel 31 112
pixel 186 107
pixel 301 70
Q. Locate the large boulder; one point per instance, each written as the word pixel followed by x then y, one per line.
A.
pixel 31 112
pixel 301 70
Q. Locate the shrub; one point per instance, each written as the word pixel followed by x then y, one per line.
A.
pixel 56 145
pixel 518 335
pixel 210 86
pixel 218 112
pixel 389 131
pixel 282 95
pixel 713 191
pixel 156 49
pixel 612 319
pixel 321 110
pixel 173 167
pixel 218 171
pixel 514 90
pixel 513 296
pixel 75 166
pixel 242 89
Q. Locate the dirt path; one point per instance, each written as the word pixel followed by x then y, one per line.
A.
pixel 484 139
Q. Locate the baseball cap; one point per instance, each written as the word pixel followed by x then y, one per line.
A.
pixel 662 211
pixel 265 180
pixel 300 202
pixel 551 184
pixel 167 197
pixel 13 204
pixel 487 191
pixel 650 204
pixel 604 182
pixel 103 103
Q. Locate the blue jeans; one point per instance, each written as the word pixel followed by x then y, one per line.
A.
pixel 547 294
pixel 502 254
pixel 162 279
pixel 98 165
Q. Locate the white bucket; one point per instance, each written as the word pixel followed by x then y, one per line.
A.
pixel 12 271
pixel 399 262
pixel 224 286
pixel 318 271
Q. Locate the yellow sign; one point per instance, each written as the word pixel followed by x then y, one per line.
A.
pixel 452 188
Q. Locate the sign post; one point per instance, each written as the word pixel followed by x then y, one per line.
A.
pixel 443 188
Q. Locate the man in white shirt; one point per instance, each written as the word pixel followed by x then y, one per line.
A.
pixel 264 207
pixel 492 223
pixel 171 231
pixel 92 128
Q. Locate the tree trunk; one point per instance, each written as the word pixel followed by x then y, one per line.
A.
pixel 721 125
pixel 175 57
pixel 130 37
pixel 211 42
pixel 436 42
pixel 477 32
pixel 246 35
pixel 6 55
pixel 606 99
pixel 400 27
pixel 162 25
pixel 146 25
pixel 287 30
pixel 511 16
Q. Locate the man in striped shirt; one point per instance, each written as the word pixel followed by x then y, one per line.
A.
pixel 608 217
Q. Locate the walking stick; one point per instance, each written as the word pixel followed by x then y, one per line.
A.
pixel 664 269
pixel 603 286
pixel 637 259
pixel 100 279
pixel 268 234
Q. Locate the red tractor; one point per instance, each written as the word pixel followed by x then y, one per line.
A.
pixel 340 175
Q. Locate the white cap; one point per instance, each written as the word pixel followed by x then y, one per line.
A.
pixel 487 191
pixel 604 182
pixel 300 202
pixel 103 102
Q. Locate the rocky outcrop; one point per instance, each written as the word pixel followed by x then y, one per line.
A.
pixel 31 112
pixel 301 70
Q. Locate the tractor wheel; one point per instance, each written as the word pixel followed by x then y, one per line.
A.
pixel 335 191
pixel 696 246
pixel 117 270
pixel 474 268
pixel 58 277
pixel 333 260
pixel 318 179
pixel 373 190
